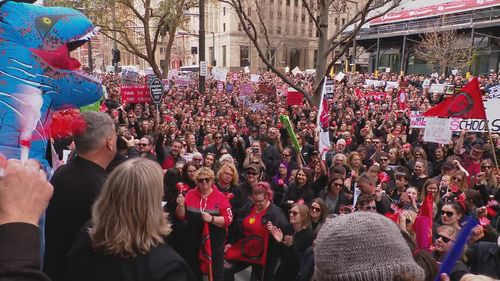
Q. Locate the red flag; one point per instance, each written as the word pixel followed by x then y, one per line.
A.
pixel 205 254
pixel 423 223
pixel 252 248
pixel 468 104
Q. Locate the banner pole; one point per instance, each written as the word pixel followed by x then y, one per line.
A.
pixel 491 143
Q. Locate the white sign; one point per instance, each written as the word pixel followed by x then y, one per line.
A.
pixel 172 74
pixel 454 71
pixel 494 92
pixel 246 69
pixel 296 71
pixel 255 78
pixel 219 74
pixel 391 85
pixel 387 69
pixel 375 83
pixel 340 76
pixel 437 88
pixel 203 68
pixel 437 130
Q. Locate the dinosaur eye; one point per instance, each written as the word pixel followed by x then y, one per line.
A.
pixel 46 20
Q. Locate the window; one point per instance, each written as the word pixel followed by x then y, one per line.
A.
pixel 278 30
pixel 310 33
pixel 343 22
pixel 224 27
pixel 271 15
pixel 296 2
pixel 280 2
pixel 280 15
pixel 295 17
pixel 288 2
pixel 303 18
pixel 161 50
pixel 224 55
pixel 211 55
pixel 224 11
pixel 244 56
pixel 336 21
pixel 315 57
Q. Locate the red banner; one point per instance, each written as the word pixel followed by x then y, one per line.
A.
pixel 252 248
pixel 137 93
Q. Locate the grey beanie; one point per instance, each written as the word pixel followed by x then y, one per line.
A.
pixel 362 246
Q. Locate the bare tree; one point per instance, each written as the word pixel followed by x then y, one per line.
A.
pixel 139 25
pixel 444 49
pixel 319 12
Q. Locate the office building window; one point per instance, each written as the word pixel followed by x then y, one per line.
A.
pixel 244 56
pixel 278 30
pixel 296 3
pixel 224 27
pixel 280 15
pixel 224 56
pixel 288 2
pixel 223 11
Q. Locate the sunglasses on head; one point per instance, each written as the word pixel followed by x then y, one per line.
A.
pixel 447 213
pixel 207 180
pixel 444 238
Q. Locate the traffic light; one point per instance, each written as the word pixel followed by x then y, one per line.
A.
pixel 116 56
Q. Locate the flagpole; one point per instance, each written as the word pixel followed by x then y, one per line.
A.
pixel 210 274
pixel 491 143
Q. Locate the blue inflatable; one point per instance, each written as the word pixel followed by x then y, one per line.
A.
pixel 35 42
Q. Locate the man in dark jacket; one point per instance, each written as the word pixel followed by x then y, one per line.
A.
pixel 76 186
pixel 484 258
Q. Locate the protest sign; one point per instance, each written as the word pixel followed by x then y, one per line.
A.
pixel 129 76
pixel 329 89
pixel 156 90
pixel 437 88
pixel 340 76
pixel 494 92
pixel 219 74
pixel 246 69
pixel 246 89
pixel 182 82
pixel 296 71
pixel 172 74
pixel 391 85
pixel 375 83
pixel 437 130
pixel 255 78
pixel 293 97
pixel 134 93
pixel 417 120
pixel 220 87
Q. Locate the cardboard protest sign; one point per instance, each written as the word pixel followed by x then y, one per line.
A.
pixel 437 130
pixel 246 89
pixel 219 74
pixel 255 78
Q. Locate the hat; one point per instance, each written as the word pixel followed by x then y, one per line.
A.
pixel 254 167
pixel 362 246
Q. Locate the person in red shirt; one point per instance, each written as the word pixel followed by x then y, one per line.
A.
pixel 204 204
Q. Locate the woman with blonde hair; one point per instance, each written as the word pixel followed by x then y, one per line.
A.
pixel 227 183
pixel 126 237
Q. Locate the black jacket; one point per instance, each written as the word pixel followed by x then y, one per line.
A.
pixel 160 263
pixel 484 258
pixel 20 253
pixel 342 200
pixel 76 185
pixel 294 193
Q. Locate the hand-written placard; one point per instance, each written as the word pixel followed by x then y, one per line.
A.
pixel 438 130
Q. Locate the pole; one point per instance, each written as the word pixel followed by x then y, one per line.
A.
pixel 403 50
pixel 471 52
pixel 354 53
pixel 213 47
pixel 91 62
pixel 201 43
pixel 376 57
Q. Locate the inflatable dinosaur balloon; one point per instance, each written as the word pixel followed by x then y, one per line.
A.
pixel 35 42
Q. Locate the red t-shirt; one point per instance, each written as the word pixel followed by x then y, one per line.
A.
pixel 252 224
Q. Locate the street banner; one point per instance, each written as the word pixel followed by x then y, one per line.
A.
pixel 437 130
pixel 375 83
pixel 137 93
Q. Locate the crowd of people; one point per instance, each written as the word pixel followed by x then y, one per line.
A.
pixel 211 184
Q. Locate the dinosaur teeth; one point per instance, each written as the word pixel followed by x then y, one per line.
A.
pixel 90 34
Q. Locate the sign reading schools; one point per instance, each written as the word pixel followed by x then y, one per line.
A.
pixel 156 90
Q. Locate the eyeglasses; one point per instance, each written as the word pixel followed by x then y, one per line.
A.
pixel 218 137
pixel 457 179
pixel 252 173
pixel 197 159
pixel 384 159
pixel 315 209
pixel 447 213
pixel 287 155
pixel 337 184
pixel 293 213
pixel 142 144
pixel 376 142
pixel 368 142
pixel 207 180
pixel 486 167
pixel 444 238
